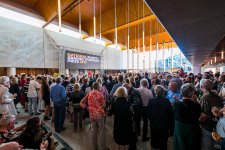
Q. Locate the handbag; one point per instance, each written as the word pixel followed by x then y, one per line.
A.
pixel 6 97
pixel 6 102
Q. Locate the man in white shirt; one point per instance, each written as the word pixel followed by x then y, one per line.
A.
pixel 146 94
pixel 33 88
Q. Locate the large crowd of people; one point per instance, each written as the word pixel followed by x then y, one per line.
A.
pixel 155 106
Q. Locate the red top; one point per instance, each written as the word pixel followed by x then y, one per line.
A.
pixel 89 73
pixel 96 104
pixel 22 82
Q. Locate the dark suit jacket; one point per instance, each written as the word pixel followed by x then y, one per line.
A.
pixel 161 120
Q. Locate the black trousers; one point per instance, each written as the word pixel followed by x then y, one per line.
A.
pixel 159 143
pixel 133 141
pixel 144 115
pixel 145 120
pixel 60 114
pixel 78 116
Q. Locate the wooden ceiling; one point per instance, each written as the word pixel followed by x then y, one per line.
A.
pixel 70 14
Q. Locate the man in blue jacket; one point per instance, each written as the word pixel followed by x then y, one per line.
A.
pixel 58 96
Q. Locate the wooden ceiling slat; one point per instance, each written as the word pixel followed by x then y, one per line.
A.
pixel 131 24
pixel 64 10
pixel 27 3
pixel 36 4
pixel 109 16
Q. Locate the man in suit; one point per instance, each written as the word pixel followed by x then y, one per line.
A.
pixel 161 119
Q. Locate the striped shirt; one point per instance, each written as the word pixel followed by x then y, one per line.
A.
pixel 69 88
pixel 26 85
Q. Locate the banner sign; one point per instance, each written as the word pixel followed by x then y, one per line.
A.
pixel 75 60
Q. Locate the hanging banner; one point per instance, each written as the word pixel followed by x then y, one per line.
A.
pixel 75 60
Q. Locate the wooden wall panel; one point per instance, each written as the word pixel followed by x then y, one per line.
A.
pixel 36 71
pixel 3 71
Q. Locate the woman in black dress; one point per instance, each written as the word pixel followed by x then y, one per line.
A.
pixel 122 129
pixel 45 90
pixel 14 89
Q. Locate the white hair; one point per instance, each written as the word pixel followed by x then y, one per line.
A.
pixel 144 82
pixel 159 90
pixel 7 119
pixel 206 84
pixel 4 80
pixel 187 90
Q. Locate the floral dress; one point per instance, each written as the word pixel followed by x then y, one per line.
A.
pixel 9 136
pixel 69 104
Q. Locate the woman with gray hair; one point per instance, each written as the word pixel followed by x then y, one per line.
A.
pixel 161 118
pixel 187 133
pixel 6 98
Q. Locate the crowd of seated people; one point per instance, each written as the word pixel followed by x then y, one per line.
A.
pixel 186 107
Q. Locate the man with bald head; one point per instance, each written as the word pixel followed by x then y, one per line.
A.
pixel 173 94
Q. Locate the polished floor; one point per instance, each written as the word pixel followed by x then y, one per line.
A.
pixel 71 140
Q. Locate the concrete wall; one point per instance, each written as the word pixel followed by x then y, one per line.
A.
pixel 21 45
pixel 27 46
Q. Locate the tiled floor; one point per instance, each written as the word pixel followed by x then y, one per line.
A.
pixel 82 140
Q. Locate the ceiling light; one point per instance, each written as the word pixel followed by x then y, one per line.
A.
pixel 94 19
pixel 59 14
